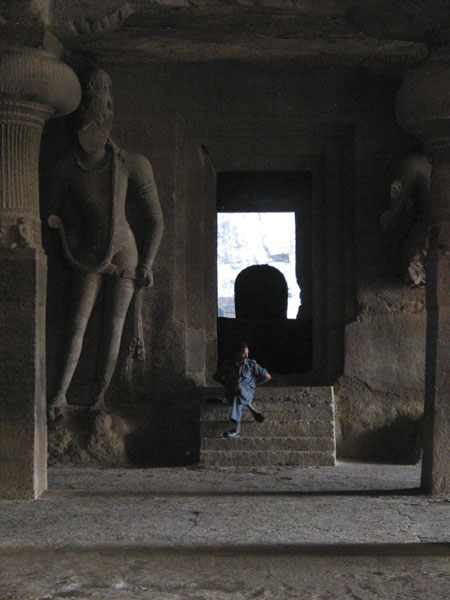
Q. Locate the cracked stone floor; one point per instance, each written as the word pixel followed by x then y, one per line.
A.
pixel 356 531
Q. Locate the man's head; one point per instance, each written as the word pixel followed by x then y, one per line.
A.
pixel 242 351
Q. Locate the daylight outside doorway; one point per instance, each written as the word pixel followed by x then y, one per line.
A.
pixel 255 238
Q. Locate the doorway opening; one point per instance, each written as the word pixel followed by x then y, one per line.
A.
pixel 264 263
pixel 255 238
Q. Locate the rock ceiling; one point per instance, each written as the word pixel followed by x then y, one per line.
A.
pixel 383 35
pixel 165 34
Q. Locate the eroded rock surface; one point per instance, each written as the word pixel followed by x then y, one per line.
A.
pixel 377 425
pixel 82 438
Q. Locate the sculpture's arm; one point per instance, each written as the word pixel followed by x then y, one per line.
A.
pixel 57 202
pixel 398 201
pixel 60 205
pixel 57 186
pixel 141 175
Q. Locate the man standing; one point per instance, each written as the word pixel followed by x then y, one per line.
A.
pixel 240 376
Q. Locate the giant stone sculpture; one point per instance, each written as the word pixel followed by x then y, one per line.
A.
pixel 90 185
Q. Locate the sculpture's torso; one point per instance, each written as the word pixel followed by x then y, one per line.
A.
pixel 98 198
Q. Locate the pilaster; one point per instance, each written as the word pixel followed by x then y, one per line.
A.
pixel 34 86
pixel 423 107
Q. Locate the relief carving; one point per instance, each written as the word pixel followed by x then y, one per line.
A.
pixel 90 189
pixel 408 217
pixel 19 232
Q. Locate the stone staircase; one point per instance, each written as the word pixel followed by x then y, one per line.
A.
pixel 298 429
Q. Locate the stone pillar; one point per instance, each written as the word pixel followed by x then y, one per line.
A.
pixel 34 86
pixel 423 107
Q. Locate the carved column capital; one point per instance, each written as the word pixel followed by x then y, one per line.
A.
pixel 35 75
pixel 423 103
pixel 423 108
pixel 34 86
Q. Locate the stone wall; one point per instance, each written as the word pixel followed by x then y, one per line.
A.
pixel 193 119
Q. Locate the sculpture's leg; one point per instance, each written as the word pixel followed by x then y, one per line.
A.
pixel 85 289
pixel 118 297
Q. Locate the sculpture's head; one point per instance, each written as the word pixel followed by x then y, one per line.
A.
pixel 395 189
pixel 95 113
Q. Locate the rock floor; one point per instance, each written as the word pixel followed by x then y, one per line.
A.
pixel 355 531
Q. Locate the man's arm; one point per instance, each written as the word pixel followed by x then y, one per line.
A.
pixel 261 375
pixel 261 380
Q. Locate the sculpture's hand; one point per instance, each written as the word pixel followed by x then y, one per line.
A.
pixel 55 222
pixel 144 276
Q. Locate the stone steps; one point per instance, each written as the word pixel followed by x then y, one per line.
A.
pixel 301 413
pixel 270 458
pixel 298 429
pixel 269 443
pixel 277 428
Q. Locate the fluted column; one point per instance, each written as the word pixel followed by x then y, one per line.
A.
pixel 34 86
pixel 423 107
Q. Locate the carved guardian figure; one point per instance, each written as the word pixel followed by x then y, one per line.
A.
pixel 408 214
pixel 90 189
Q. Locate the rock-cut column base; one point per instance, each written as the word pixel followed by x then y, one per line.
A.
pixel 23 436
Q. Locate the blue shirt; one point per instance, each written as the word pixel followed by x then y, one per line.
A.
pixel 240 378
